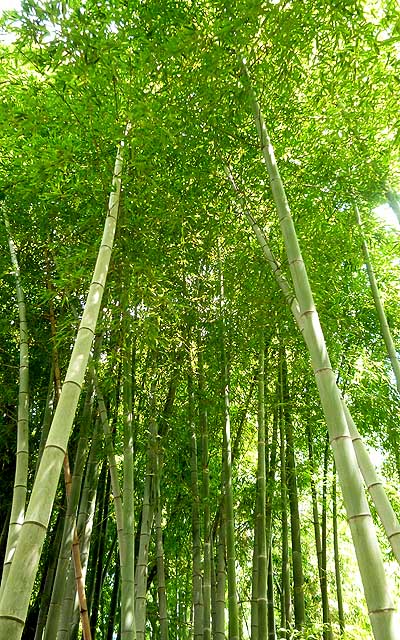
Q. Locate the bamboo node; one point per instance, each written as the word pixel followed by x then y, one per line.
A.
pixel 321 369
pixel 374 484
pixel 87 328
pixel 382 610
pixel 346 435
pixel 307 312
pixel 359 515
pixel 56 446
pixel 74 382
pixel 37 523
pixel 8 617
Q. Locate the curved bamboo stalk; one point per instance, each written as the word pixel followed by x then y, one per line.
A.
pixel 69 538
pixel 336 558
pixel 393 202
pixel 375 487
pixel 22 453
pixel 379 601
pixel 285 594
pixel 15 599
pixel 372 481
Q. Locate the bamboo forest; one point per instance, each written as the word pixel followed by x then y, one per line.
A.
pixel 200 327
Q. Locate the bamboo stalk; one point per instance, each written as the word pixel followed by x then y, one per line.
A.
pixel 371 479
pixel 380 604
pixel 22 452
pixel 15 599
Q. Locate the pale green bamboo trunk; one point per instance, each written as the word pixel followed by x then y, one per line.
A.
pixel 146 524
pixel 221 582
pixel 128 616
pixel 206 502
pixel 22 452
pixel 271 599
pixel 161 589
pixel 324 546
pixel 295 527
pixel 47 584
pixel 197 583
pixel 64 558
pixel 69 616
pixel 286 604
pixel 261 524
pixel 99 559
pixel 271 482
pixel 327 631
pixel 254 579
pixel 394 203
pixel 375 487
pixel 379 601
pixel 15 598
pixel 233 609
pixel 115 484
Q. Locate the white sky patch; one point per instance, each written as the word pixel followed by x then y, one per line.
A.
pixel 386 214
pixel 6 5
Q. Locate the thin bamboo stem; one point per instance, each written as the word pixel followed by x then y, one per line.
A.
pixel 22 451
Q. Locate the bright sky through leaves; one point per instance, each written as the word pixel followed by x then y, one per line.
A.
pixel 6 5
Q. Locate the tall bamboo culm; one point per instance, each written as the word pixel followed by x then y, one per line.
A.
pixel 128 617
pixel 372 481
pixel 379 601
pixel 261 525
pixel 15 598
